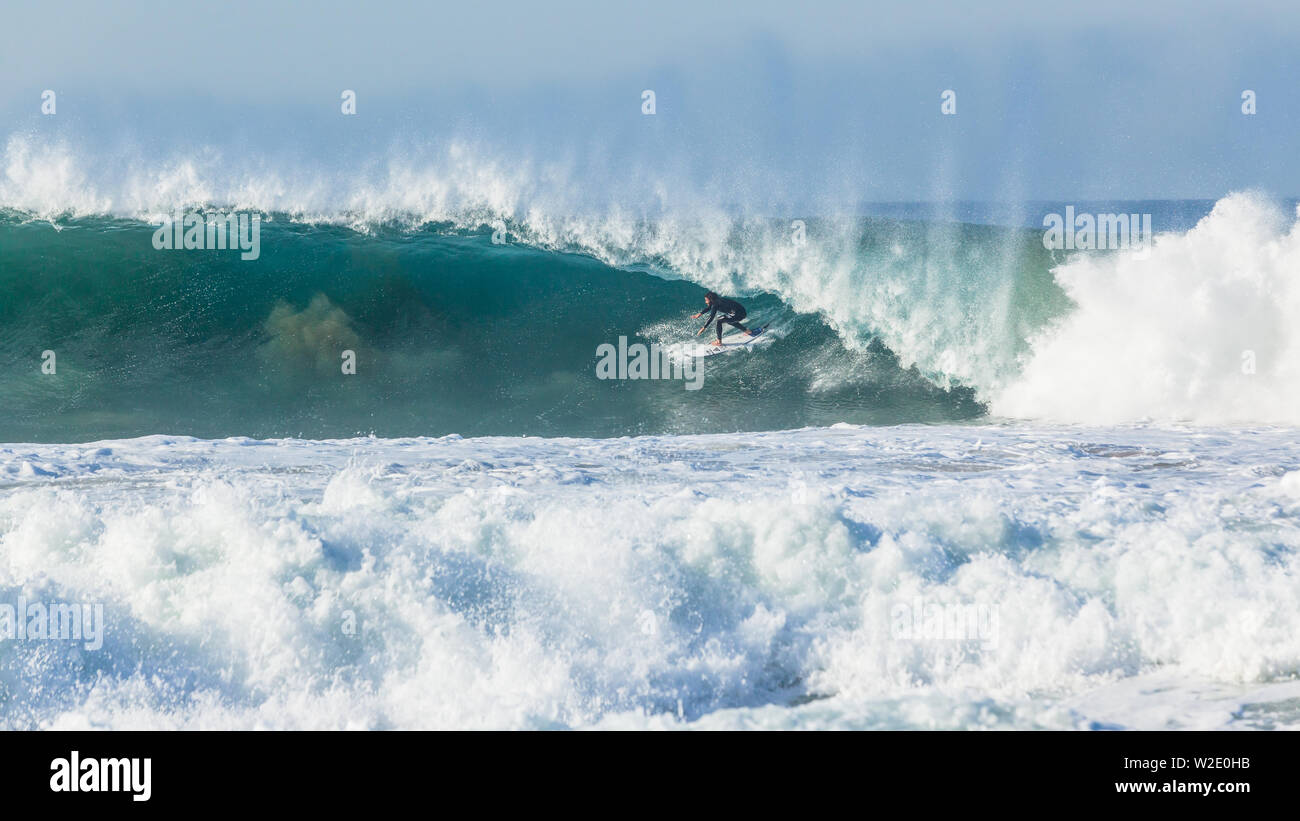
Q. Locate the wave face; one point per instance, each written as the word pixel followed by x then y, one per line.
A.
pixel 848 577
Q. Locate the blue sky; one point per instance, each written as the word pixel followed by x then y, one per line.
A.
pixel 796 102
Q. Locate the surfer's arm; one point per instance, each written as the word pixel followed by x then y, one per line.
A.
pixel 712 314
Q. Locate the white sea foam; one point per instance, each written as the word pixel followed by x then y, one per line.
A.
pixel 715 581
pixel 1205 328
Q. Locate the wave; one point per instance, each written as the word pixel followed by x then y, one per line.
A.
pixel 449 333
pixel 885 320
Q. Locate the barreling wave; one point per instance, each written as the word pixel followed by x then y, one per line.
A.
pixel 880 321
pixel 449 332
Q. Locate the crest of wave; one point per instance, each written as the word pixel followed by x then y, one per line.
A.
pixel 47 181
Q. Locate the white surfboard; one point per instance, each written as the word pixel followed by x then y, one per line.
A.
pixel 732 342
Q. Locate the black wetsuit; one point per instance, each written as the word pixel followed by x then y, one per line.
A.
pixel 729 312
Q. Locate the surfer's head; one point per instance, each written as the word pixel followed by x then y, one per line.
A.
pixel 710 298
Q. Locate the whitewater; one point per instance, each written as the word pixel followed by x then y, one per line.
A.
pixel 725 581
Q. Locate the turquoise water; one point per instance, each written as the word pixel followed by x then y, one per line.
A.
pixel 452 334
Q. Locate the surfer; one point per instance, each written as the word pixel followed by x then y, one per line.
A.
pixel 728 311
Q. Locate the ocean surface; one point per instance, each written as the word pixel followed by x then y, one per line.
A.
pixel 971 483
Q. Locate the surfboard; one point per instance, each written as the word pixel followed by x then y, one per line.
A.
pixel 732 342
